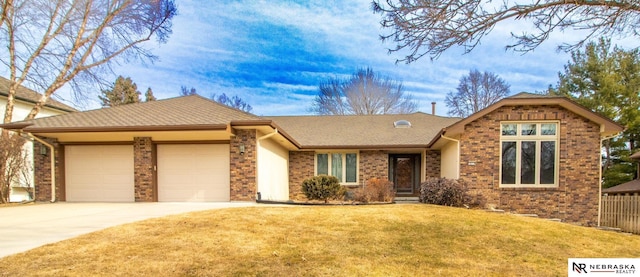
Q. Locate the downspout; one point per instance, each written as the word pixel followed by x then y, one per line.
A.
pixel 53 164
pixel 275 131
pixel 600 178
pixel 458 156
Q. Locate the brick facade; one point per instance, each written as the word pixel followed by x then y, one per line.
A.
pixel 42 171
pixel 432 161
pixel 301 166
pixel 576 197
pixel 243 166
pixel 144 173
pixel 373 164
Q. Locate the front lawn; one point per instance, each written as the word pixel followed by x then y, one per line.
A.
pixel 384 240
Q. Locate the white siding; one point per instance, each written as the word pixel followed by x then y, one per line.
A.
pixel 273 171
pixel 450 161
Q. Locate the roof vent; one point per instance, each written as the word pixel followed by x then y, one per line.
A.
pixel 402 124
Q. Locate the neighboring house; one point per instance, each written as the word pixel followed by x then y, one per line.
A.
pixel 630 187
pixel 527 153
pixel 25 99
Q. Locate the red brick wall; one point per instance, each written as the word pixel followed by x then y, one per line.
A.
pixel 373 164
pixel 144 174
pixel 243 167
pixel 42 171
pixel 576 197
pixel 301 166
pixel 432 164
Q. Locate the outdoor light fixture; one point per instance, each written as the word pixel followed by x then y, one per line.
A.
pixel 43 150
pixel 241 149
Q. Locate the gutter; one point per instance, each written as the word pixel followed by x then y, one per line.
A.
pixel 600 178
pixel 266 122
pixel 53 163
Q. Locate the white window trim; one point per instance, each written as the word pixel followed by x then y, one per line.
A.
pixel 538 138
pixel 344 164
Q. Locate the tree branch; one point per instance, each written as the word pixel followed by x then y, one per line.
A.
pixel 430 27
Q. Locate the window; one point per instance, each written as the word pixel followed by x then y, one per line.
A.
pixel 343 166
pixel 529 154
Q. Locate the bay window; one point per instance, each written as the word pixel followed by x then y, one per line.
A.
pixel 342 165
pixel 529 154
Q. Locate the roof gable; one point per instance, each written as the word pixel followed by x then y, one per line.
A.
pixel 608 126
pixel 30 96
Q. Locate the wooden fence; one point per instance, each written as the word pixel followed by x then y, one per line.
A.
pixel 621 211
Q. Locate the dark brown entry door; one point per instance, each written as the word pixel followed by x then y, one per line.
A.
pixel 404 170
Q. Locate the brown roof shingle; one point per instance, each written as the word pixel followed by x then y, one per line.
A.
pixel 361 131
pixel 628 187
pixel 189 111
pixel 28 95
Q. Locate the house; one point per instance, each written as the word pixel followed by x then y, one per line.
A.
pixel 527 153
pixel 631 187
pixel 25 99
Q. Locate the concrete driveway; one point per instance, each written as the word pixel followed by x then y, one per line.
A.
pixel 29 226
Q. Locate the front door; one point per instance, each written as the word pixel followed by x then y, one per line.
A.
pixel 404 170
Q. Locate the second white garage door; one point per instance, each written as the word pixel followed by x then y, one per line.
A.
pixel 193 172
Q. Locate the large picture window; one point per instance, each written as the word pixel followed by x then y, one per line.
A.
pixel 342 165
pixel 529 154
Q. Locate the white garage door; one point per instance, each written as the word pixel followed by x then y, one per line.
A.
pixel 193 172
pixel 99 173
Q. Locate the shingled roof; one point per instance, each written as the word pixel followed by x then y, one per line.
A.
pixel 362 131
pixel 182 113
pixel 30 96
pixel 628 187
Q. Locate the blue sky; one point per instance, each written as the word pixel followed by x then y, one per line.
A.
pixel 273 54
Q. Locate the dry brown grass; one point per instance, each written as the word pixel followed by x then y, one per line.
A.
pixel 387 240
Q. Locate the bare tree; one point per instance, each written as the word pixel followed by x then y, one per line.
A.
pixel 14 164
pixel 364 93
pixel 429 27
pixel 184 91
pixel 54 43
pixel 234 102
pixel 475 92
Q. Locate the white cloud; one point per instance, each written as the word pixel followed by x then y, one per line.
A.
pixel 215 48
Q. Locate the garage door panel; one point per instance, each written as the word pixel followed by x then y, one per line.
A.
pixel 99 173
pixel 195 172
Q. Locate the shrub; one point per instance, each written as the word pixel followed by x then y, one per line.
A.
pixel 378 190
pixel 322 187
pixel 445 192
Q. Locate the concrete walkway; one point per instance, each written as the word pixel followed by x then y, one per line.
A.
pixel 29 226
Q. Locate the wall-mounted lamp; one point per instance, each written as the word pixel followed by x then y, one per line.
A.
pixel 43 150
pixel 241 149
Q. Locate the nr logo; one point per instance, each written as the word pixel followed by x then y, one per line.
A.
pixel 580 268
